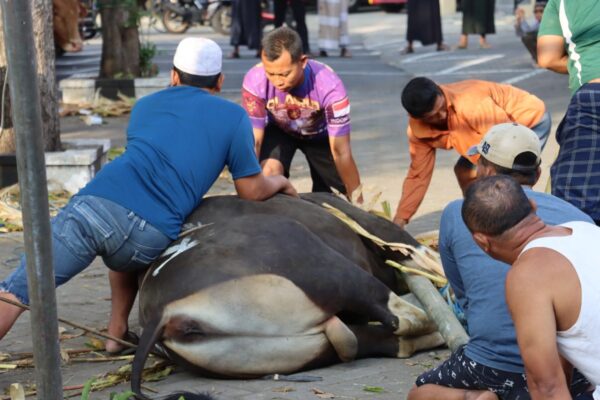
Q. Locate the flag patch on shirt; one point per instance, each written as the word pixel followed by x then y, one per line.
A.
pixel 341 108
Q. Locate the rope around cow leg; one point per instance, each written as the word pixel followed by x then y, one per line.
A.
pixel 76 325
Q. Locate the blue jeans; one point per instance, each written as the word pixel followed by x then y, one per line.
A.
pixel 91 226
pixel 542 128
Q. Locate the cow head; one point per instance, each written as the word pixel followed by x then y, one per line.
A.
pixel 66 24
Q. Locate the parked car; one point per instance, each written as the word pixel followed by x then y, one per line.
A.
pixel 389 5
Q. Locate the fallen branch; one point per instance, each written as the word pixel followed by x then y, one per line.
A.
pixel 403 268
pixel 76 325
pixel 426 258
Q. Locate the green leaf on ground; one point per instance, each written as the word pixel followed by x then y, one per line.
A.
pixel 87 388
pixel 373 389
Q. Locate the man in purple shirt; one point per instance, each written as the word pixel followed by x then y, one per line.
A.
pixel 297 103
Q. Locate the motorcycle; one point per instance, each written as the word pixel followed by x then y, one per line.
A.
pixel 179 15
pixel 89 25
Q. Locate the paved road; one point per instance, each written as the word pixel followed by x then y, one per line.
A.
pixel 374 79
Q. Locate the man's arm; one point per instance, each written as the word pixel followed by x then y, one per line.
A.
pixel 551 43
pixel 259 134
pixel 260 187
pixel 250 182
pixel 344 163
pixel 450 224
pixel 552 54
pixel 531 307
pixel 417 179
pixel 255 107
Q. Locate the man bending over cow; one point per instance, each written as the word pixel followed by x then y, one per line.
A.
pixel 552 288
pixel 490 361
pixel 456 116
pixel 178 142
pixel 299 104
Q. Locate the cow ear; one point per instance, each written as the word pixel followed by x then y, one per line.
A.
pixel 83 11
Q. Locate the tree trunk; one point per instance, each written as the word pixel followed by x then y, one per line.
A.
pixel 44 43
pixel 120 39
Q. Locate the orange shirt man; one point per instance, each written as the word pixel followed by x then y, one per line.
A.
pixel 456 116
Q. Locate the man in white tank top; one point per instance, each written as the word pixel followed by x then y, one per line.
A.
pixel 552 288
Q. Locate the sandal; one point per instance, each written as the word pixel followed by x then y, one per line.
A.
pixel 407 50
pixel 234 54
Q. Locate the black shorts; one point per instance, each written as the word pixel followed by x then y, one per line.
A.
pixel 460 372
pixel 282 146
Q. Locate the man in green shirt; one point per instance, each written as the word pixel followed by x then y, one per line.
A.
pixel 569 42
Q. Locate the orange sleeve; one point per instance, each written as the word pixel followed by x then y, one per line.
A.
pixel 422 161
pixel 487 114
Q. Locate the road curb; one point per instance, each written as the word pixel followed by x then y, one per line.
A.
pixel 85 88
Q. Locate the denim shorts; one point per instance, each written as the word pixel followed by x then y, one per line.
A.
pixel 542 128
pixel 91 226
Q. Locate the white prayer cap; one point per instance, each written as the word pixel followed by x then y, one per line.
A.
pixel 198 56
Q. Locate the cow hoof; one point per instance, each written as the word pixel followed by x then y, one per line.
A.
pixel 412 321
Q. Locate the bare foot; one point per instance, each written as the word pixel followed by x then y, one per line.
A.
pixel 118 330
pixel 407 50
pixel 463 43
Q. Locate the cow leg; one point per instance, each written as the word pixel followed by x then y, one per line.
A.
pixel 409 345
pixel 377 341
pixel 412 320
pixel 341 338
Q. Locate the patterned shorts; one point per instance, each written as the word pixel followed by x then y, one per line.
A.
pixel 460 372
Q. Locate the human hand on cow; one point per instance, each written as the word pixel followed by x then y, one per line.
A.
pixel 289 189
pixel 401 222
pixel 261 187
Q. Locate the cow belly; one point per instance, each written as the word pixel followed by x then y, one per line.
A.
pixel 258 305
pixel 238 356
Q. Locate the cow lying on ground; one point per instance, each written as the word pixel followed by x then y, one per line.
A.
pixel 277 287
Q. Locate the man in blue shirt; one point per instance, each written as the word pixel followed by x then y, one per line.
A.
pixel 178 142
pixel 490 365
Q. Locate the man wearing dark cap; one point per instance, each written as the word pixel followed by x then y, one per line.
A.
pixel 552 287
pixel 491 360
pixel 178 142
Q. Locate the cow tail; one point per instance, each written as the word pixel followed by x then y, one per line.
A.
pixel 152 332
